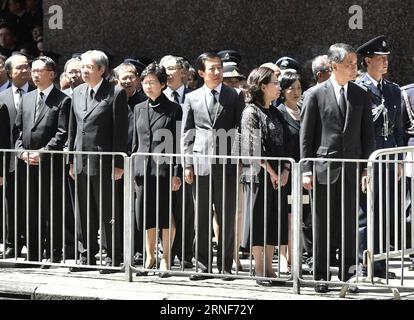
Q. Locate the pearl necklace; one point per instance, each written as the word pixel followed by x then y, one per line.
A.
pixel 294 113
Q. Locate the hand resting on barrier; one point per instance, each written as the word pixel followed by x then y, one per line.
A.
pixel 118 173
pixel 189 175
pixel 32 158
pixel 175 183
pixel 307 182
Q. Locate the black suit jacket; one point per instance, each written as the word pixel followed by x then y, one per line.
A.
pixel 101 128
pixel 325 133
pixel 132 102
pixel 293 129
pixel 50 130
pixel 149 136
pixel 4 135
pixel 7 99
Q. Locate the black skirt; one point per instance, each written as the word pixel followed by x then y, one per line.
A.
pixel 151 202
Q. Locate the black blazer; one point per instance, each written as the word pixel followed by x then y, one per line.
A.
pixel 7 99
pixel 50 130
pixel 4 135
pixel 132 102
pixel 326 134
pixel 101 128
pixel 293 130
pixel 146 130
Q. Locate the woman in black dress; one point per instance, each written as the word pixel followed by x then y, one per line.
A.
pixel 263 133
pixel 291 92
pixel 155 132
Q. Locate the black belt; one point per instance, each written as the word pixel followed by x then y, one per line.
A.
pixel 382 132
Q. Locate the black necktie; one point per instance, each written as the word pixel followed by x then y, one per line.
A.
pixel 176 95
pixel 212 104
pixel 342 101
pixel 39 105
pixel 19 91
pixel 379 86
pixel 90 99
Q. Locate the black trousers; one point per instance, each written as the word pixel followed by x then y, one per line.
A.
pixel 321 226
pixel 225 215
pixel 186 224
pixel 110 218
pixel 45 190
pixel 380 266
pixel 9 214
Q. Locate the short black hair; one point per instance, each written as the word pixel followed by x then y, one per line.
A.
pixel 286 79
pixel 157 70
pixel 202 58
pixel 50 64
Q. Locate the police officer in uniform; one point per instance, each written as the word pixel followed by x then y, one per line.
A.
pixel 386 112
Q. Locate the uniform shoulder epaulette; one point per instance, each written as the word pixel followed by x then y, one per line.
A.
pixel 390 82
pixel 362 86
pixel 408 86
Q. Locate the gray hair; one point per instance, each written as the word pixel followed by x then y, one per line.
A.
pixel 320 63
pixel 338 51
pixel 99 57
pixel 69 62
pixel 178 61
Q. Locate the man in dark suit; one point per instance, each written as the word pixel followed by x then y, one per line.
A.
pixel 209 113
pixel 4 144
pixel 127 77
pixel 42 123
pixel 72 71
pixel 176 92
pixel 337 123
pixel 99 123
pixel 4 79
pixel 18 71
pixel 388 125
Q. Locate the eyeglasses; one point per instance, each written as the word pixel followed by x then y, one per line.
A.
pixel 173 68
pixel 150 83
pixel 22 67
pixel 73 72
pixel 40 70
pixel 88 66
pixel 130 78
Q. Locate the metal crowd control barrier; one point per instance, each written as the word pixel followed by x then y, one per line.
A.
pixel 379 174
pixel 204 254
pixel 334 171
pixel 37 233
pixel 393 240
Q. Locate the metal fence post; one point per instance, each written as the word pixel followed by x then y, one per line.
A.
pixel 296 225
pixel 128 220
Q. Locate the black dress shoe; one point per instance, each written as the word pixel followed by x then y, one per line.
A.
pixel 353 289
pixel 82 262
pixel 383 274
pixel 164 274
pixel 9 253
pixel 411 267
pixel 201 275
pixel 264 283
pixel 227 278
pixel 321 288
pixel 56 259
pixel 187 264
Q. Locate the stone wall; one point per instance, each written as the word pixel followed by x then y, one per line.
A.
pixel 262 30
